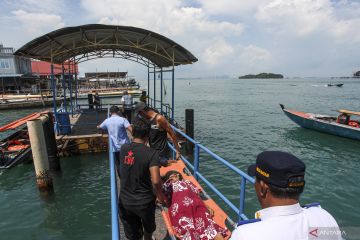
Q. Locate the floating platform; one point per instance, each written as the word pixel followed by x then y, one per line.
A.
pixel 84 136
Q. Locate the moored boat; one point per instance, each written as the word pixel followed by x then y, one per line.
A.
pixel 341 125
pixel 335 84
pixel 15 149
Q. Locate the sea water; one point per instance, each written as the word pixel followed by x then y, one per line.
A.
pixel 236 119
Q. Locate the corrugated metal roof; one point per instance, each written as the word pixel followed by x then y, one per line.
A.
pixel 96 40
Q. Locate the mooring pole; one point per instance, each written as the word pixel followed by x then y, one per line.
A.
pixel 38 148
pixel 90 101
pixel 189 125
pixel 50 141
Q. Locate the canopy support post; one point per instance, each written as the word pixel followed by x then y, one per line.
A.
pixel 53 86
pixel 76 85
pixel 172 94
pixel 161 89
pixel 70 78
pixel 154 87
pixel 64 85
pixel 148 88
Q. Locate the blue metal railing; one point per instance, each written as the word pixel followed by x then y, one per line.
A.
pixel 195 167
pixel 244 177
pixel 114 196
pixel 164 108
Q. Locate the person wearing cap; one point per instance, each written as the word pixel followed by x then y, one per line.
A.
pixel 279 181
pixel 116 127
pixel 159 133
pixel 97 101
pixel 127 105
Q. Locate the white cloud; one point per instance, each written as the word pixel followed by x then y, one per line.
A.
pixel 255 55
pixel 230 7
pixel 163 16
pixel 217 52
pixel 40 6
pixel 37 23
pixel 296 17
pixel 306 17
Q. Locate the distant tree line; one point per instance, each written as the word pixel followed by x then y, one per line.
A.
pixel 261 75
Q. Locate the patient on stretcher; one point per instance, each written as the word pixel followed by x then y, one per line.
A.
pixel 189 216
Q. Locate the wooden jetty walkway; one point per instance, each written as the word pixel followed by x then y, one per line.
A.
pixel 84 136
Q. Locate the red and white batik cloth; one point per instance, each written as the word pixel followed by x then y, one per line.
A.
pixel 188 213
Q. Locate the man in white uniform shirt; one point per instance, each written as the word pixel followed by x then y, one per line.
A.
pixel 127 105
pixel 279 183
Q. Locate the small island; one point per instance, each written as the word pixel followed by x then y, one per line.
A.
pixel 261 75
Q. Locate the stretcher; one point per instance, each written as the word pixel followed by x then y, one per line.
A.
pixel 220 217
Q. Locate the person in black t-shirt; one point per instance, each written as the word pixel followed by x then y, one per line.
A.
pixel 139 177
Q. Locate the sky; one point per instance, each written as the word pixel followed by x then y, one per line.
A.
pixel 296 38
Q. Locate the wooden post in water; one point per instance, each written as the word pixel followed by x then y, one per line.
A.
pixel 189 125
pixel 38 148
pixel 90 101
pixel 50 141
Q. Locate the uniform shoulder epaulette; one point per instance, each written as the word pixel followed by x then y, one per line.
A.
pixel 311 205
pixel 248 221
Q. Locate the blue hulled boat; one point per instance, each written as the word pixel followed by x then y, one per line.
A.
pixel 341 126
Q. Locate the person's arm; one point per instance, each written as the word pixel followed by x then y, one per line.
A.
pixel 130 129
pixel 157 183
pixel 164 124
pixel 102 126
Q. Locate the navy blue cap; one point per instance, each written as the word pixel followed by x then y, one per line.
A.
pixel 279 168
pixel 139 107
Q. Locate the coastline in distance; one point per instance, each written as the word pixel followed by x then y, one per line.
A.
pixel 261 75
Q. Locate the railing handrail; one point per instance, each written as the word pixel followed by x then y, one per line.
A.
pixel 244 177
pixel 114 195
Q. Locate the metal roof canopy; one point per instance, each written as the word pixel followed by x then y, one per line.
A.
pixel 92 41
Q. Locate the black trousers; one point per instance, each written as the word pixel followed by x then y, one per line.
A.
pixel 135 218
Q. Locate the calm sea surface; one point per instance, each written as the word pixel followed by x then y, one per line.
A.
pixel 237 119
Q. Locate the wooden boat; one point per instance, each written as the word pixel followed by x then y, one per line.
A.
pixel 15 149
pixel 341 126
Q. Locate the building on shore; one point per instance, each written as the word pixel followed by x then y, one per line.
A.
pixel 42 71
pixel 21 75
pixel 15 71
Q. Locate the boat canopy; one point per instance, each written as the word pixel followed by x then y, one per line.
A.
pixel 349 112
pixel 91 41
